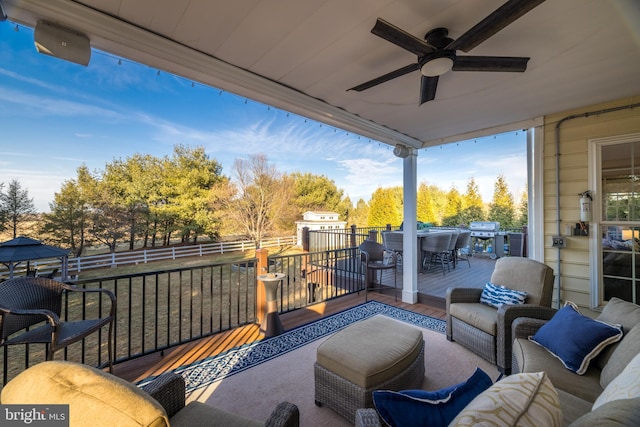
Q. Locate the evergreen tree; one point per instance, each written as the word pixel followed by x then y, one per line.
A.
pixel 523 217
pixel 315 192
pixel 385 207
pixel 502 208
pixel 16 206
pixel 360 216
pixel 66 223
pixel 346 210
pixel 191 175
pixel 426 205
pixel 472 204
pixel 453 207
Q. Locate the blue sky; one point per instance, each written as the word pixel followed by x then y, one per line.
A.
pixel 56 116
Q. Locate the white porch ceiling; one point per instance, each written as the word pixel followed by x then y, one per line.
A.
pixel 303 55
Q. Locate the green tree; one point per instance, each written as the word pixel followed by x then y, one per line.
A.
pixel 430 202
pixel 128 184
pixel 16 205
pixel 451 216
pixel 346 210
pixel 315 192
pixel 360 216
pixel 523 208
pixel 502 208
pixel 472 205
pixel 318 193
pixel 385 207
pixel 191 174
pixel 66 223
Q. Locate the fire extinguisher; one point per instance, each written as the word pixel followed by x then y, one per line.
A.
pixel 585 206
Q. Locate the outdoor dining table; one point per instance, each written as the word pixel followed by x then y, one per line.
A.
pixel 422 234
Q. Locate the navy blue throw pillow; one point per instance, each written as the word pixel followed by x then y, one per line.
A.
pixel 574 338
pixel 410 408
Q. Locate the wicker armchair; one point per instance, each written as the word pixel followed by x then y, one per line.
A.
pixel 487 331
pixel 26 302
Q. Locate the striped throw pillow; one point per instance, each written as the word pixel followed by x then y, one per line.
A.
pixel 496 295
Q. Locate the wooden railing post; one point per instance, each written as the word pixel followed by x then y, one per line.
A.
pixel 261 296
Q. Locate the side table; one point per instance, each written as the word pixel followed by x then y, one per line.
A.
pixel 271 324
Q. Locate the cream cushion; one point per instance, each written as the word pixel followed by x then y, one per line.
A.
pixel 95 398
pixel 371 351
pixel 624 386
pixel 520 399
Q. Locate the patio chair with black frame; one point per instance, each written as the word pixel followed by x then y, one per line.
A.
pixel 31 310
pixel 375 259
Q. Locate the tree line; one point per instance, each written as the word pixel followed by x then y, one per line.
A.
pixel 153 200
pixel 449 208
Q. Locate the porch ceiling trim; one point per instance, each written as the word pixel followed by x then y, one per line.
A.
pixel 128 41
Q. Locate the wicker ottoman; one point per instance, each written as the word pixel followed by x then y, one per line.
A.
pixel 373 354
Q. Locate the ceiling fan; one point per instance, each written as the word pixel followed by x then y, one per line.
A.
pixel 437 53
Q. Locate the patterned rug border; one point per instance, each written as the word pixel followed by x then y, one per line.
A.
pixel 205 372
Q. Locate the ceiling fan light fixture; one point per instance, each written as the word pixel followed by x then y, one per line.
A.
pixel 438 64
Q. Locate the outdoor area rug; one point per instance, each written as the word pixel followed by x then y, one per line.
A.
pixel 255 391
pixel 210 370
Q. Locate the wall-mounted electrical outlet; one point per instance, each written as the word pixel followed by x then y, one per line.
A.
pixel 558 242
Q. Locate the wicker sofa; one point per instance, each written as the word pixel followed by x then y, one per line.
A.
pixel 487 331
pixel 617 366
pixel 579 392
pixel 96 399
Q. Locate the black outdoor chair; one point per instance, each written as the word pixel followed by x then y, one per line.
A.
pixel 375 259
pixel 30 311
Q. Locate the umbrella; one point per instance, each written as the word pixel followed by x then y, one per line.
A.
pixel 13 252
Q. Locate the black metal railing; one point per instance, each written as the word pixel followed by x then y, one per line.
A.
pixel 155 311
pixel 317 276
pixel 162 309
pixel 326 240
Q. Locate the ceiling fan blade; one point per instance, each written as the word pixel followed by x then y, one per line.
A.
pixel 385 78
pixel 428 86
pixel 401 38
pixel 490 63
pixel 496 21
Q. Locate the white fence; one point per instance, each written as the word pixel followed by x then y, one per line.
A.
pixel 44 267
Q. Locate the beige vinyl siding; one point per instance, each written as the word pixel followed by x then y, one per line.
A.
pixel 574 179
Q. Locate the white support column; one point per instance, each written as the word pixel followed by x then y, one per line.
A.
pixel 535 181
pixel 411 254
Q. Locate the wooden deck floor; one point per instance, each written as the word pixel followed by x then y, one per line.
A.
pixel 431 287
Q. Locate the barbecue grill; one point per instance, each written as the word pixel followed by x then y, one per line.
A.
pixel 489 230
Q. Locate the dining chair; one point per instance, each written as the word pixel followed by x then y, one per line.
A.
pixel 375 259
pixel 392 241
pixel 462 249
pixel 450 254
pixel 31 311
pixel 433 246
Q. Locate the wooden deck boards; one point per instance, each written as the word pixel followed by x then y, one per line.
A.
pixel 432 288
